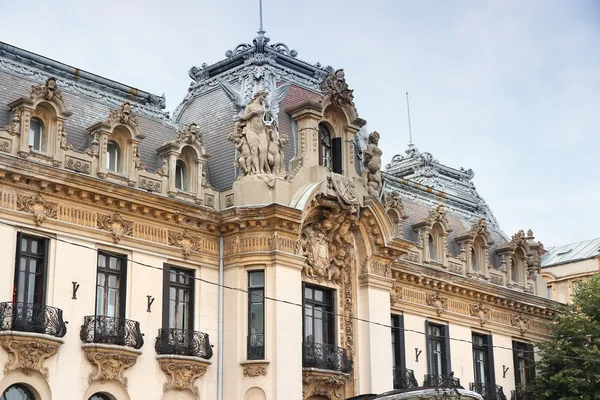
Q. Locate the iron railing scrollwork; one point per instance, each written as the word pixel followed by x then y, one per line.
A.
pixel 111 330
pixel 442 381
pixel 404 378
pixel 325 356
pixel 487 390
pixel 33 318
pixel 256 346
pixel 522 393
pixel 183 342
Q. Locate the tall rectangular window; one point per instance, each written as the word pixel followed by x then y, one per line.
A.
pixel 30 270
pixel 318 316
pixel 110 285
pixel 483 360
pixel 523 363
pixel 549 291
pixel 256 315
pixel 181 300
pixel 438 350
pixel 397 341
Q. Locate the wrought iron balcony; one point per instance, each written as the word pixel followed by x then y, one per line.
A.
pixel 256 346
pixel 488 391
pixel 183 343
pixel 522 393
pixel 325 356
pixel 111 330
pixel 33 318
pixel 448 382
pixel 404 378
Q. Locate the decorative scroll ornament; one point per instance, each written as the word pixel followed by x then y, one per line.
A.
pixel 115 224
pixel 438 302
pixel 331 386
pixel 480 311
pixel 48 92
pixel 15 127
pixel 109 365
pixel 335 86
pixel 182 375
pixel 521 322
pixel 372 178
pixel 255 369
pixel 183 240
pixel 396 294
pixel 38 206
pixel 28 354
pixel 122 115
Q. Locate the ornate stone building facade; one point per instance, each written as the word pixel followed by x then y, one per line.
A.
pixel 286 266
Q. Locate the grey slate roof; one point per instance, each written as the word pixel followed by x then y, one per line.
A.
pixel 571 252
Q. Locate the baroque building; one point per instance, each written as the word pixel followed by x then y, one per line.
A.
pixel 250 246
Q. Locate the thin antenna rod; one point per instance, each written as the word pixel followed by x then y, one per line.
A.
pixel 261 17
pixel 410 142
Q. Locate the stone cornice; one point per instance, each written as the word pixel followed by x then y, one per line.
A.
pixel 266 218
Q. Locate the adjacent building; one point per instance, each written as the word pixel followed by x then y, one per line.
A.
pixel 250 246
pixel 565 267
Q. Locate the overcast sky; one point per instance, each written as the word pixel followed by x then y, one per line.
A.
pixel 510 89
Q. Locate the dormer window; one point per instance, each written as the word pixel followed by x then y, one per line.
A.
pixel 325 147
pixel 478 255
pixel 474 263
pixel 181 176
pixel 36 135
pixel 517 270
pixel 433 255
pixel 113 156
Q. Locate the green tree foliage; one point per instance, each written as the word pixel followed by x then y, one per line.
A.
pixel 570 362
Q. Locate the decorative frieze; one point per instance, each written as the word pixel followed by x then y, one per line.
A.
pixel 109 362
pixel 481 312
pixel 182 372
pixel 152 185
pixel 78 165
pixel 28 353
pixel 38 206
pixel 521 322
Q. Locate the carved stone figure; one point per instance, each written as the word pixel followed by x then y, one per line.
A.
pixel 190 134
pixel 339 261
pixel 256 132
pixel 335 86
pixel 15 127
pixel 48 92
pixel 62 137
pixel 372 162
pixel 122 115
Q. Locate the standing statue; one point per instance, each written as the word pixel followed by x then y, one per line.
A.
pixel 372 161
pixel 256 133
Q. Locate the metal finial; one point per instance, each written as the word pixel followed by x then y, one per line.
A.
pixel 261 30
pixel 410 142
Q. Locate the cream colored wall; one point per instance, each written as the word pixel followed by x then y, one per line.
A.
pixel 560 277
pixel 69 369
pixel 415 340
pixel 461 353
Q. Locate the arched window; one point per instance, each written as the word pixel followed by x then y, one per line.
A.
pixel 478 255
pixel 433 254
pixel 113 156
pixel 325 147
pixel 517 272
pixel 17 392
pixel 474 263
pixel 181 175
pixel 37 141
pixel 99 396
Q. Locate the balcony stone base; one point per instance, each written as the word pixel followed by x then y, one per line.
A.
pixel 182 372
pixel 319 382
pixel 27 352
pixel 254 368
pixel 109 362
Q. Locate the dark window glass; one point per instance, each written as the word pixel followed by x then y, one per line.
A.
pixel 523 363
pixel 482 364
pixel 325 147
pixel 256 315
pixel 181 290
pixel 438 351
pixel 17 392
pixel 36 134
pixel 397 341
pixel 30 270
pixel 113 156
pixel 110 285
pixel 181 175
pixel 318 317
pixel 99 396
pixel 432 248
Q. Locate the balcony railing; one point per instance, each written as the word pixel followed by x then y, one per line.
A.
pixel 111 330
pixel 183 343
pixel 522 393
pixel 33 318
pixel 256 346
pixel 325 356
pixel 448 382
pixel 404 378
pixel 488 391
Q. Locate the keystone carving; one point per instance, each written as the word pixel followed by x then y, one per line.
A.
pixel 393 200
pixel 48 92
pixel 190 134
pixel 38 206
pixel 329 385
pixel 481 312
pixel 109 365
pixel 438 302
pixel 28 354
pixel 182 374
pixel 335 86
pixel 438 215
pixel 521 322
pixel 115 224
pixel 122 115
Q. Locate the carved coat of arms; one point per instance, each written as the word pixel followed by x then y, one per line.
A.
pixel 317 255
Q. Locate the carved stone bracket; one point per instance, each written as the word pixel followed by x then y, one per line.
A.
pixel 521 322
pixel 182 372
pixel 118 226
pixel 27 353
pixel 438 302
pixel 38 206
pixel 109 362
pixel 480 311
pixel 318 383
pixel 183 240
pixel 255 368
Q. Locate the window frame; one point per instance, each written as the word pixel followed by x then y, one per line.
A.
pixel 325 148
pixel 117 156
pixel 184 176
pixel 42 139
pixel 23 387
pixel 487 349
pixel 121 306
pixel 444 340
pixel 252 289
pixel 41 295
pixel 398 341
pixel 329 326
pixel 168 284
pixel 520 352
